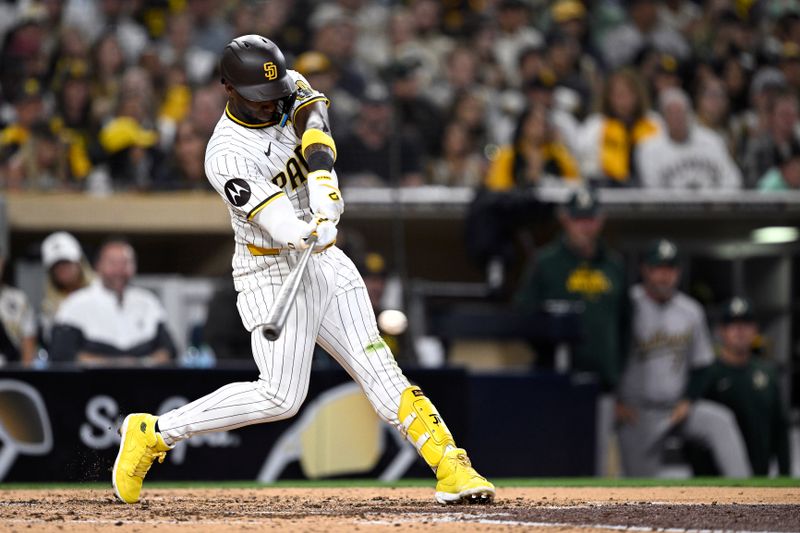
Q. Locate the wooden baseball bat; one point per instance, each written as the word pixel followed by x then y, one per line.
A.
pixel 276 318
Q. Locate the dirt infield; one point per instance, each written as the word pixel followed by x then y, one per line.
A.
pixel 402 509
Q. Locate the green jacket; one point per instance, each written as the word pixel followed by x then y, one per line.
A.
pixel 752 392
pixel 600 283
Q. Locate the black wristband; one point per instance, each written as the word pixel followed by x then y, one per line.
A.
pixel 320 160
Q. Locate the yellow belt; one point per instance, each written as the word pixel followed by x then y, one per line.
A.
pixel 259 251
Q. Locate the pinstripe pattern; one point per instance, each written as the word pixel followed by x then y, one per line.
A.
pixel 333 309
pixel 332 306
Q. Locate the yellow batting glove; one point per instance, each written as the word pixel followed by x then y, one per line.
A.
pixel 324 196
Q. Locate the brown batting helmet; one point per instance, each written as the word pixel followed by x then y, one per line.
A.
pixel 256 68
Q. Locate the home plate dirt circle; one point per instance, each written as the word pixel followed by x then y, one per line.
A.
pixel 674 509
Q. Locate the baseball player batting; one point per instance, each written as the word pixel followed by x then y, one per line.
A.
pixel 271 159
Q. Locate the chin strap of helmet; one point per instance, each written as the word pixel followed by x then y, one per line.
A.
pixel 285 105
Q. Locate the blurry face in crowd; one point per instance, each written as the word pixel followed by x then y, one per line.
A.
pixel 535 129
pixel 660 281
pixel 582 232
pixel 116 266
pixel 470 110
pixel 622 98
pixel 738 336
pixel 109 56
pixel 676 117
pixel 644 13
pixel 456 141
pixel 401 27
pixel 712 103
pixel 66 275
pixel 377 115
pixel 76 97
pixel 47 152
pixel 511 19
pixel 791 173
pixel 784 117
pixel 189 149
pixel 29 111
pixel 426 15
pixel 461 69
pixel 324 81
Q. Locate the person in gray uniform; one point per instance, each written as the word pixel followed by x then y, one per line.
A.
pixel 659 392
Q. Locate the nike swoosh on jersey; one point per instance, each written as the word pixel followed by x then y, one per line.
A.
pixel 269 150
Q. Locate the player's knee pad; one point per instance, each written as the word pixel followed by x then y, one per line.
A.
pixel 423 426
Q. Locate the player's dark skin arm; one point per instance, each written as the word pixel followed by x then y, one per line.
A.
pixel 315 116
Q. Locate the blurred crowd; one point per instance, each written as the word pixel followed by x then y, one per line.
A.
pixel 106 95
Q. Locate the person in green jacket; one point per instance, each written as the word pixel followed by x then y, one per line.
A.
pixel 785 176
pixel 750 388
pixel 580 272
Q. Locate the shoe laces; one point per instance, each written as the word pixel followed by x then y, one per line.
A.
pixel 462 459
pixel 147 461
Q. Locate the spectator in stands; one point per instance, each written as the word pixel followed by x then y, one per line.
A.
pixel 365 155
pixel 712 110
pixel 679 15
pixel 208 103
pixel 460 164
pixel 66 271
pixel 785 175
pixel 460 73
pixel 751 388
pixel 29 110
pixel 760 154
pixel 579 270
pixel 621 45
pixel 211 30
pixel 573 79
pixel 178 48
pixel 107 67
pixel 185 168
pixel 42 163
pixel 660 388
pixel 608 139
pixel 570 17
pixel 514 34
pixel 540 91
pixel 323 77
pixel 95 18
pixel 686 155
pixel 72 120
pixel 415 115
pixel 17 324
pixel 335 35
pixel 536 152
pixel 110 322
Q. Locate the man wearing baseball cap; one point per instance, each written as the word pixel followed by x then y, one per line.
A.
pixel 659 391
pixel 750 387
pixel 580 269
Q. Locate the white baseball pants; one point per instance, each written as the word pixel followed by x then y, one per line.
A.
pixel 333 309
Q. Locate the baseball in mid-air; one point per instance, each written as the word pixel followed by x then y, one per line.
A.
pixel 392 321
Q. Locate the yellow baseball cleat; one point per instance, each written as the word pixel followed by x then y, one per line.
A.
pixel 139 447
pixel 459 482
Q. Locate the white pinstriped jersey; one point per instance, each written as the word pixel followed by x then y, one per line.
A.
pixel 250 165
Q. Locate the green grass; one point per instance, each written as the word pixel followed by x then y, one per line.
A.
pixel 505 482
